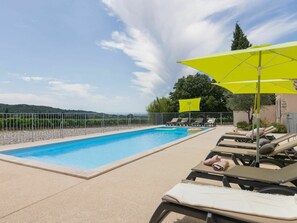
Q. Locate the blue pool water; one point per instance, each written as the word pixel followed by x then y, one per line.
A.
pixel 87 154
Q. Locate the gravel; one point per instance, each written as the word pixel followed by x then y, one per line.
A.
pixel 15 137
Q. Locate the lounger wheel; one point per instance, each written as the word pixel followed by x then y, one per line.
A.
pixel 277 190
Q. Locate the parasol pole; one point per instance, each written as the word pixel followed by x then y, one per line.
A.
pixel 258 109
pixel 254 116
pixel 189 104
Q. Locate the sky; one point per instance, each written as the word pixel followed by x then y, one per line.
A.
pixel 117 56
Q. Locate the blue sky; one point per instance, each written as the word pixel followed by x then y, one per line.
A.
pixel 117 56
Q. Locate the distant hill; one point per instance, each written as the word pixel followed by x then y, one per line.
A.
pixel 24 108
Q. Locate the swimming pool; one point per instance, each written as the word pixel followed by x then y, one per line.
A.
pixel 91 153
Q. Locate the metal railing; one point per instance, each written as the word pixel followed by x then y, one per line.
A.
pixel 29 127
pixel 24 127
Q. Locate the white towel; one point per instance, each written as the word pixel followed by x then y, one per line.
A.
pixel 229 199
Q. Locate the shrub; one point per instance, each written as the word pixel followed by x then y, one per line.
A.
pixel 280 128
pixel 242 125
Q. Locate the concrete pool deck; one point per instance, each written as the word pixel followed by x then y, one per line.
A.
pixel 130 193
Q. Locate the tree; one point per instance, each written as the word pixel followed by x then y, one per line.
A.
pixel 240 40
pixel 160 105
pixel 130 116
pixel 199 85
pixel 244 102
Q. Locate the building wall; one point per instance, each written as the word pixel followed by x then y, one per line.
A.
pixel 285 103
pixel 268 115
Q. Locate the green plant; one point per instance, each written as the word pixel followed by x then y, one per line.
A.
pixel 280 128
pixel 242 125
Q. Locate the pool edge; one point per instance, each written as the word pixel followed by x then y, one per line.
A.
pixel 89 174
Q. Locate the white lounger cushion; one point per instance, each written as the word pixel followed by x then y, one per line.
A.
pixel 235 200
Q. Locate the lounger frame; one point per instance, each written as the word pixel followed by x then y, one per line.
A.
pixel 170 206
pixel 230 143
pixel 247 178
pixel 243 138
pixel 173 122
pixel 209 215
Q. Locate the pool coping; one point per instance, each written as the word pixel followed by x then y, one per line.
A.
pixel 88 174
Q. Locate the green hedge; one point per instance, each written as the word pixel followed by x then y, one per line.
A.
pixel 280 128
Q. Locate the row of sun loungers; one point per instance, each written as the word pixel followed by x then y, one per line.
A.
pixel 267 195
pixel 178 121
pixel 247 177
pixel 185 122
pixel 246 137
pixel 232 143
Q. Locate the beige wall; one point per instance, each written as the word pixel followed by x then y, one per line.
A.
pixel 268 114
pixel 285 103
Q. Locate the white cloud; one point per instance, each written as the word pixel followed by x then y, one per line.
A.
pixel 272 30
pixel 94 102
pixel 82 90
pixel 158 33
pixel 33 78
pixel 68 95
pixel 23 98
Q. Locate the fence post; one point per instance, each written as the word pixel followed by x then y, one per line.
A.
pixel 62 126
pixel 102 123
pixel 85 123
pixel 32 127
pixel 221 117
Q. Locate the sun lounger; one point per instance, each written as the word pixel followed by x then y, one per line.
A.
pixel 229 143
pixel 198 122
pixel 244 133
pixel 278 156
pixel 174 121
pixel 184 121
pixel 244 138
pixel 211 122
pixel 264 180
pixel 225 205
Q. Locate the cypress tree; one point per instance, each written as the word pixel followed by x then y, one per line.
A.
pixel 240 40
